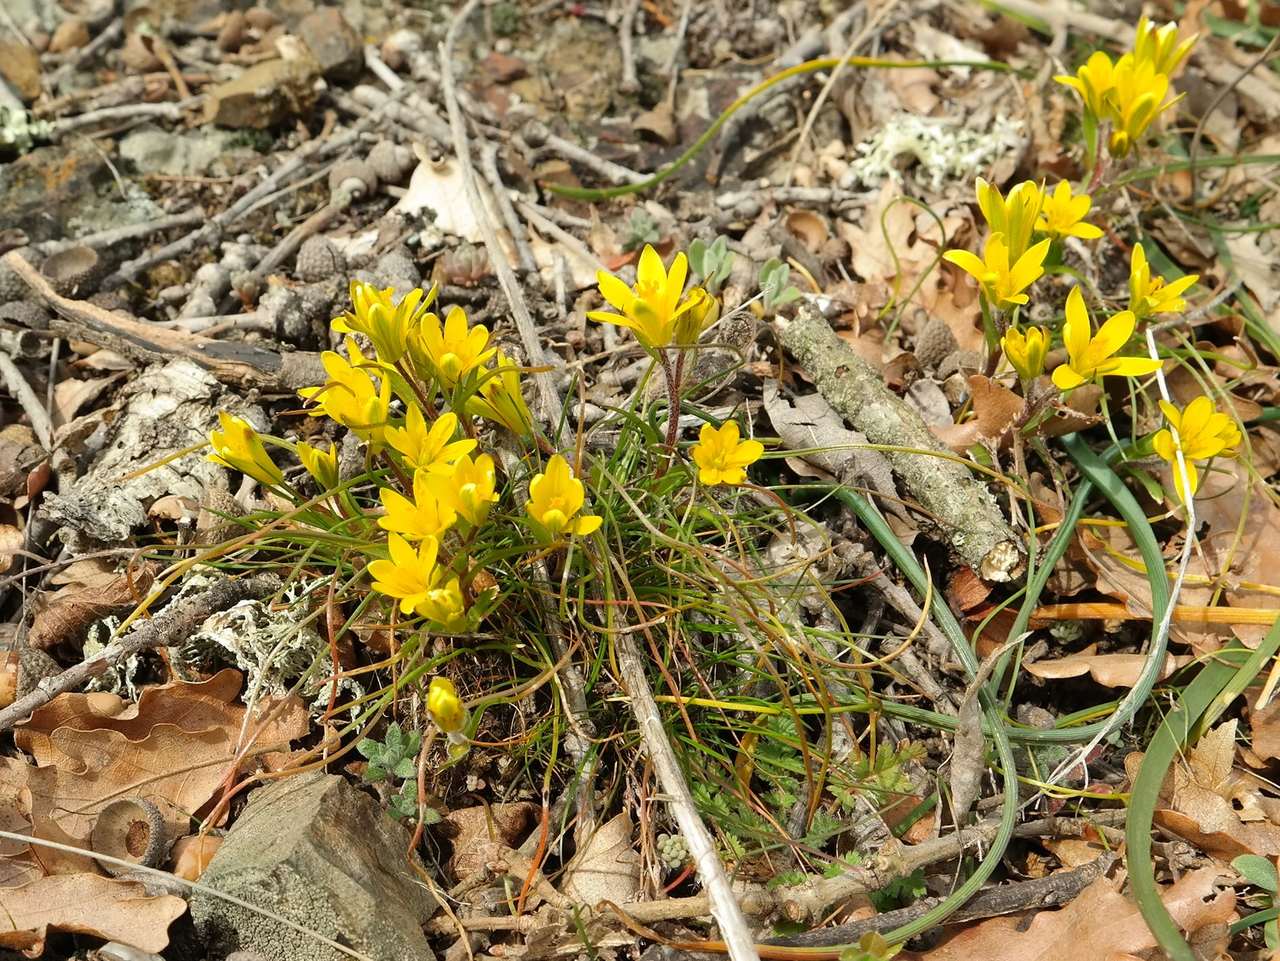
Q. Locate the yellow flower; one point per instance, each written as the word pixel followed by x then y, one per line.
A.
pixel 723 458
pixel 555 496
pixel 454 349
pixel 431 449
pixel 651 308
pixel 700 312
pixel 1062 215
pixel 1151 295
pixel 1013 217
pixel 414 579
pixel 239 447
pixel 320 465
pixel 1026 352
pixel 1160 47
pixel 445 707
pixel 387 323
pixel 350 397
pixel 469 489
pixel 1137 98
pixel 1203 433
pixel 1091 356
pixel 500 397
pixel 1093 82
pixel 1001 284
pixel 424 516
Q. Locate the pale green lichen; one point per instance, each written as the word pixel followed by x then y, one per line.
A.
pixel 19 130
pixel 943 149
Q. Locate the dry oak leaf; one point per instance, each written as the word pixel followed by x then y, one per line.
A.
pixel 1100 925
pixel 607 867
pixel 86 904
pixel 1206 802
pixel 90 589
pixel 1109 670
pixel 174 748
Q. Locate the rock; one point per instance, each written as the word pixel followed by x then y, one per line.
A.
pixel 319 852
pixel 333 43
pixel 288 313
pixel 72 34
pixel 42 190
pixel 187 154
pixel 12 287
pixel 20 68
pixel 263 95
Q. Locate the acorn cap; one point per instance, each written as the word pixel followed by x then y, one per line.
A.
pixel 355 178
pixel 132 830
pixel 74 272
pixel 391 161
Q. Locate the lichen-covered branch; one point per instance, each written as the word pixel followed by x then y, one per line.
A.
pixel 971 519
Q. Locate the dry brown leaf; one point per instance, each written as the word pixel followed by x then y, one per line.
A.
pixel 474 828
pixel 91 589
pixel 1206 802
pixel 1099 924
pixel 86 904
pixel 1109 670
pixel 996 406
pixel 607 867
pixel 173 748
pixel 11 541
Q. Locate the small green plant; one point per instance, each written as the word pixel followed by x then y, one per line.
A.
pixel 711 262
pixel 1261 873
pixel 395 758
pixel 641 229
pixel 505 19
pixel 773 285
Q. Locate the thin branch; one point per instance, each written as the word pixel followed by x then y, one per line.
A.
pixel 169 626
pixel 550 409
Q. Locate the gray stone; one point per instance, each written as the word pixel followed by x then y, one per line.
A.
pixel 323 854
pixel 194 153
pixel 334 44
pixel 42 190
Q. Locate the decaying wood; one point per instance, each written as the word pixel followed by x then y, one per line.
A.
pixel 239 364
pixel 970 518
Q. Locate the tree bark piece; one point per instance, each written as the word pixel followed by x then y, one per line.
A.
pixel 971 519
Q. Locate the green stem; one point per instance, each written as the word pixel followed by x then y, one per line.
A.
pixel 809 66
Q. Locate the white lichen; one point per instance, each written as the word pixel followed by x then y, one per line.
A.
pixel 19 131
pixel 943 149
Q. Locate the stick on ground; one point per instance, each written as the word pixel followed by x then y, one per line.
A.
pixel 971 519
pixel 171 625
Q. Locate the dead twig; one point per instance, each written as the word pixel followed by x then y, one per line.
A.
pixel 550 408
pixel 241 364
pixel 27 399
pixel 489 166
pixel 176 622
pixel 970 517
pixel 721 900
pixel 117 235
pixel 1048 892
pixel 630 83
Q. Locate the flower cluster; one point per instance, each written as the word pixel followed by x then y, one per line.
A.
pixel 415 389
pixel 1129 94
